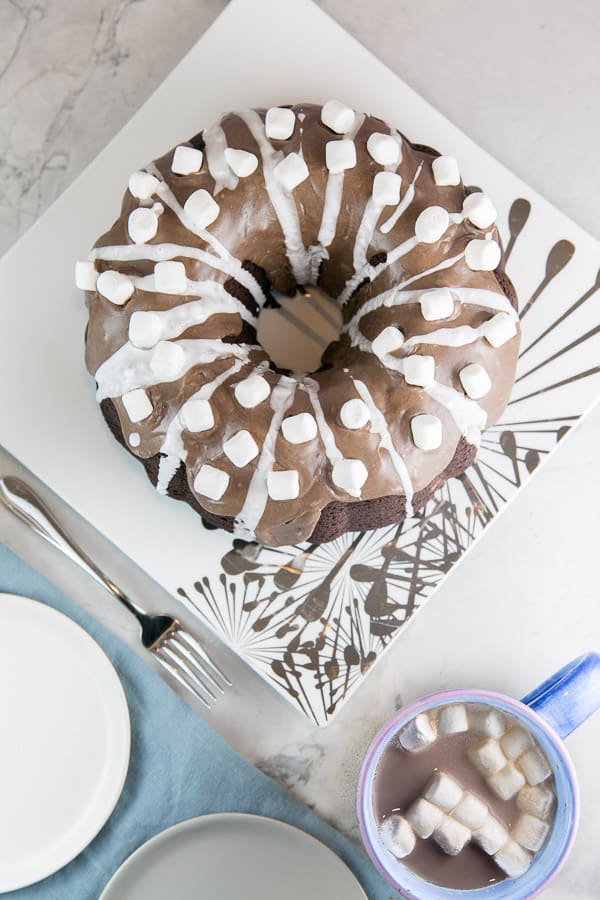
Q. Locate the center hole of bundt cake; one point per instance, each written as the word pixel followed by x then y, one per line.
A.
pixel 296 330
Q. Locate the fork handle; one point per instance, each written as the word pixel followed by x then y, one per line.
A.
pixel 21 500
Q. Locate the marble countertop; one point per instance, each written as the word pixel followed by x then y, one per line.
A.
pixel 72 72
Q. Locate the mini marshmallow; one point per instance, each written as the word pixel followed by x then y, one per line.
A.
pixel 299 429
pixel 451 836
pixel 386 188
pixel 201 208
pixel 340 155
pixel 418 734
pixel 431 224
pixel 489 722
pixel 397 836
pixel 438 303
pixel 252 391
pixel 283 485
pixel 452 719
pixel 291 171
pixel 279 123
pixel 515 742
pixel 197 415
pixel 445 171
pixel 170 277
pixel 419 370
pixel 424 817
pixel 115 286
pixel 145 329
pixel 142 225
pixel 507 782
pixel 488 757
pixel 142 185
pixel 241 449
pixel 384 148
pixel 535 766
pixel 444 791
pixel 512 859
pixel 167 360
pixel 530 832
pixel 337 116
pixel 470 811
pixel 186 160
pixel 536 800
pixel 475 380
pixel 387 341
pixel 85 275
pixel 137 405
pixel 482 256
pixel 426 431
pixel 211 482
pixel 350 475
pixel 241 162
pixel 354 414
pixel 134 439
pixel 499 329
pixel 491 836
pixel 479 209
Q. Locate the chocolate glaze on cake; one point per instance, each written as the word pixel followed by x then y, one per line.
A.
pixel 173 347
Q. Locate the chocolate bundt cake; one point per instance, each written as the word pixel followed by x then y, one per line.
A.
pixel 263 202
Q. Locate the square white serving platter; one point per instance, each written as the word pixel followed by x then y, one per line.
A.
pixel 310 620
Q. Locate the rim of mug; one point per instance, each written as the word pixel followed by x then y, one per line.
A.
pixel 429 701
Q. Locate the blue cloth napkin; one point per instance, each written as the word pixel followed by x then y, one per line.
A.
pixel 179 768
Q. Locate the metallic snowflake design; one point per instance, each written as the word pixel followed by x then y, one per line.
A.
pixel 314 619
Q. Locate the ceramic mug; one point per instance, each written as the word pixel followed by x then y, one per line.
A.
pixel 550 712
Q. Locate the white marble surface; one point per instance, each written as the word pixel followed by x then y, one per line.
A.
pixel 71 74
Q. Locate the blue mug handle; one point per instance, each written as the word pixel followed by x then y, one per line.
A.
pixel 570 696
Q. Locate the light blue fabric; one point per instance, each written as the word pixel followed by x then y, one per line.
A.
pixel 179 768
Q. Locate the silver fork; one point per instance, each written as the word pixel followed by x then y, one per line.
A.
pixel 176 650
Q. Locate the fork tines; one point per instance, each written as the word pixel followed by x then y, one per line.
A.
pixel 191 666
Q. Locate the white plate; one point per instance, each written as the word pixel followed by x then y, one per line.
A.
pixel 370 585
pixel 64 746
pixel 230 856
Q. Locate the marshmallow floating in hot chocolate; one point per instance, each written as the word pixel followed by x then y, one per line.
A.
pixel 475 808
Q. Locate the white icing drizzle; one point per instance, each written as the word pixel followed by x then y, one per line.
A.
pixel 403 205
pixel 333 196
pixel 246 522
pixel 215 146
pixel 370 272
pixel 332 451
pixel 215 301
pixel 172 446
pixel 469 417
pixel 364 234
pixel 129 368
pixel 397 297
pixel 282 200
pixel 167 196
pixel 459 336
pixel 160 252
pixel 379 426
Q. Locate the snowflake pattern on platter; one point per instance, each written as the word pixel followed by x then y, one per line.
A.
pixel 314 619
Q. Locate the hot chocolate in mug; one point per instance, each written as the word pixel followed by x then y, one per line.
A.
pixel 547 715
